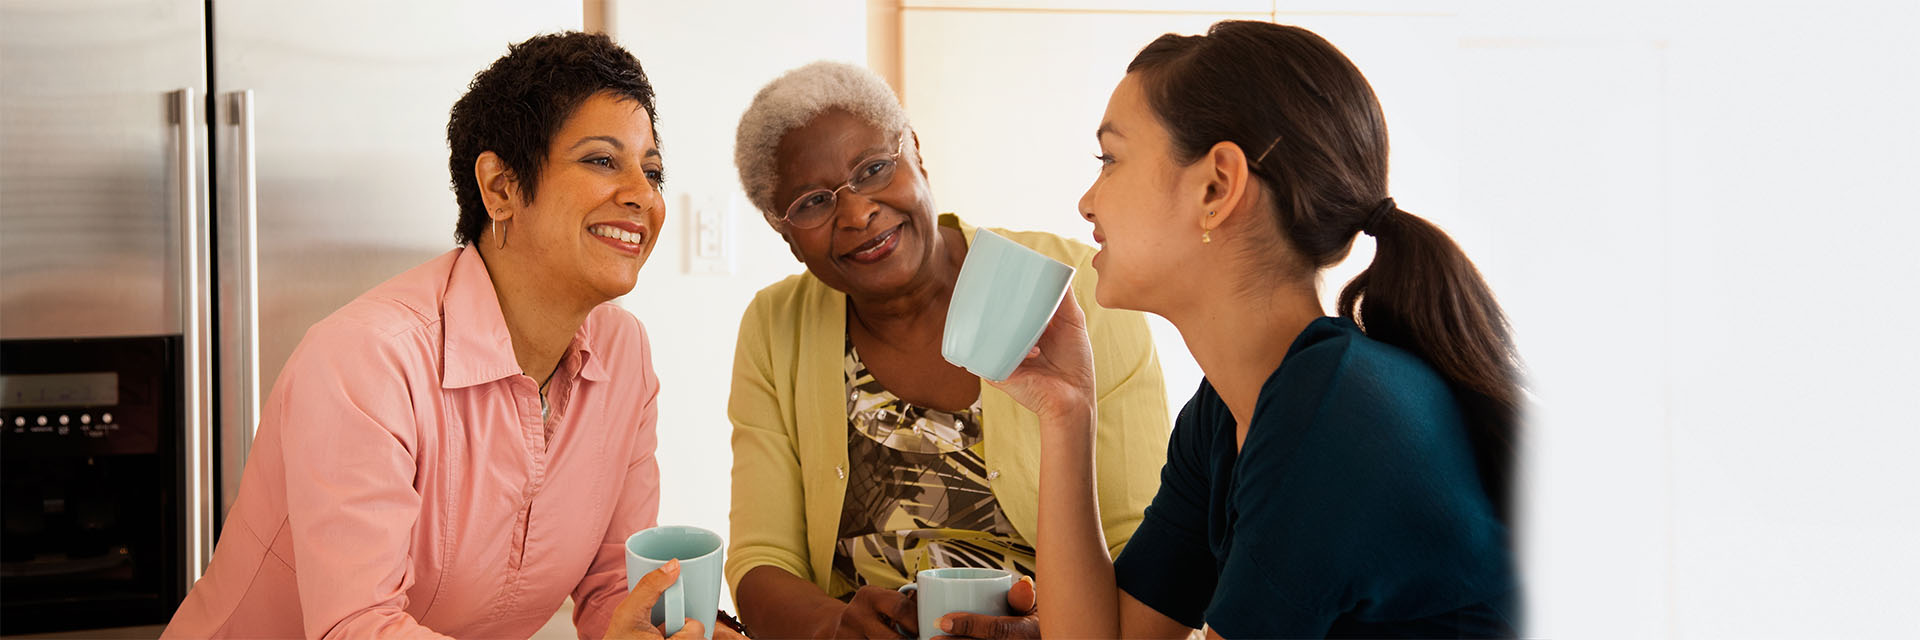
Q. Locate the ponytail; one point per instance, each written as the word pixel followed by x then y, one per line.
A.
pixel 1422 294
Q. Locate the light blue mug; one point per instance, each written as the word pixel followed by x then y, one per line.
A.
pixel 1001 304
pixel 958 589
pixel 697 593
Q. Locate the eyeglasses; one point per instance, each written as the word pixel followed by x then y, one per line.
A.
pixel 813 208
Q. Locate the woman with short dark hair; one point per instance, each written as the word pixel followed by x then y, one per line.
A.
pixel 460 449
pixel 1332 476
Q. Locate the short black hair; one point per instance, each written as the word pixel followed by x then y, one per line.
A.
pixel 516 105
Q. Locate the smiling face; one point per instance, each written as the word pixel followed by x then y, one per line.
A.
pixel 875 243
pixel 598 210
pixel 1149 234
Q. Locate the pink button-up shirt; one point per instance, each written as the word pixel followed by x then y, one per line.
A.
pixel 403 482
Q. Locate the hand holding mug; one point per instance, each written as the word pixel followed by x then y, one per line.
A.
pixel 1001 302
pixel 941 594
pixel 1025 623
pixel 1056 379
pixel 694 592
pixel 876 612
pixel 630 619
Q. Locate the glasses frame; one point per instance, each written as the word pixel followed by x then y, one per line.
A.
pixel 833 195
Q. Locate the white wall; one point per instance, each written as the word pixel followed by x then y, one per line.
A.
pixel 1792 366
pixel 706 60
pixel 1701 275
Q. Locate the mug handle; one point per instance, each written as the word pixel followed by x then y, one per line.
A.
pixel 912 590
pixel 676 609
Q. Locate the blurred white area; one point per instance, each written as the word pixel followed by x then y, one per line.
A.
pixel 1693 211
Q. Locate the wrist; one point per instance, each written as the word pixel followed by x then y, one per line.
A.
pixel 826 626
pixel 1069 436
pixel 1075 419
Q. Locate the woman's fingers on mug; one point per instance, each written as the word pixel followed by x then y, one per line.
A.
pixel 1024 597
pixel 1069 310
pixel 691 630
pixel 1068 326
pixel 630 617
pixel 657 581
pixel 881 613
pixel 974 625
pixel 905 615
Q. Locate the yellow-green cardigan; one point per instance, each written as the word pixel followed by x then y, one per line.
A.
pixel 789 414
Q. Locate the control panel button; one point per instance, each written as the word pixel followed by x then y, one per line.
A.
pixel 106 417
pixel 40 420
pixel 63 419
pixel 86 418
pixel 19 421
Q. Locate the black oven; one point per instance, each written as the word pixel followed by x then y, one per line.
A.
pixel 94 482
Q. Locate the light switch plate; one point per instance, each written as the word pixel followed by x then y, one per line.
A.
pixel 710 245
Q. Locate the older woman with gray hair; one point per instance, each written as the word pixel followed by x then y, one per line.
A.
pixel 861 456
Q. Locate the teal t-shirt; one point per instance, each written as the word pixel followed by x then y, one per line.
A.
pixel 1354 508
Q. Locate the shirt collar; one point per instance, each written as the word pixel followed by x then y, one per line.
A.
pixel 581 350
pixel 478 348
pixel 950 220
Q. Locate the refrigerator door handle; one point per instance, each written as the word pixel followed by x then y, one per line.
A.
pixel 195 307
pixel 247 237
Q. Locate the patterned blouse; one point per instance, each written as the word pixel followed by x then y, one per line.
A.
pixel 917 492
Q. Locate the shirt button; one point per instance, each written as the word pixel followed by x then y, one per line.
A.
pixel 840 472
pixel 993 475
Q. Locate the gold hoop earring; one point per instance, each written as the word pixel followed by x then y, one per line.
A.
pixel 501 239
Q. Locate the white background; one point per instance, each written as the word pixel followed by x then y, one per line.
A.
pixel 1697 214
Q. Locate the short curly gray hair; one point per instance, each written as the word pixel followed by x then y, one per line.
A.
pixel 790 102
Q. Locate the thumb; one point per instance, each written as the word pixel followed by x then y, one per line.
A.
pixel 1023 598
pixel 1069 311
pixel 656 581
pixel 635 610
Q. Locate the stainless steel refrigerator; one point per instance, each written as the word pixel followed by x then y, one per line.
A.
pixel 185 187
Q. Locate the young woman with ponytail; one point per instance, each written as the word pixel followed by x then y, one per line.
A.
pixel 1332 476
